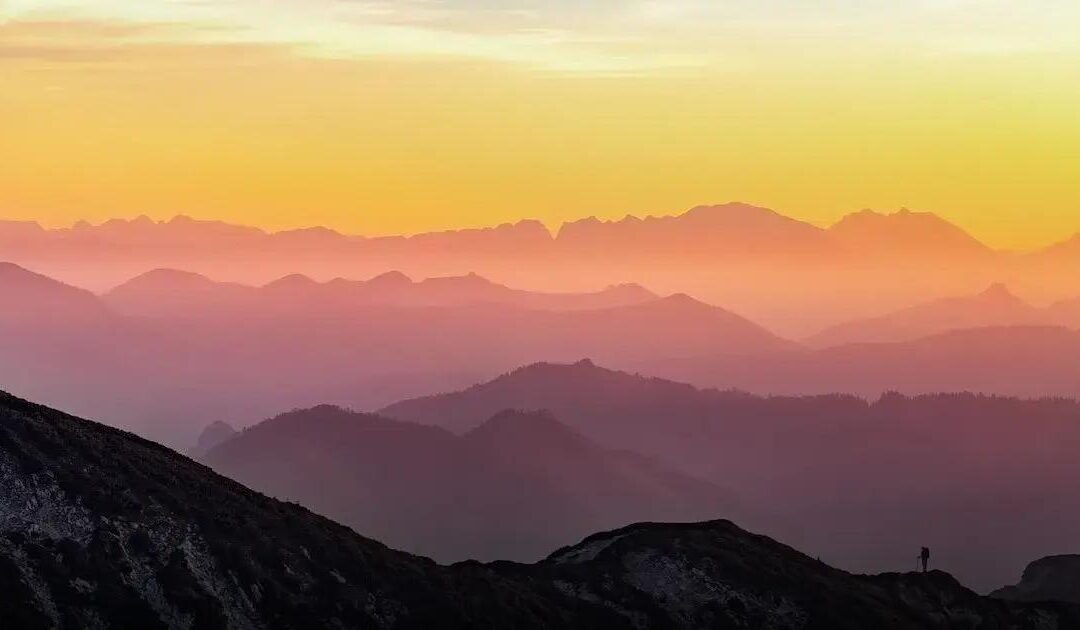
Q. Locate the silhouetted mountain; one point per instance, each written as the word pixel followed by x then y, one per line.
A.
pixel 173 293
pixel 1054 578
pixel 1027 361
pixel 723 231
pixel 995 306
pixel 905 233
pixel 674 326
pixel 792 276
pixel 479 496
pixel 888 473
pixel 1063 253
pixel 33 299
pixel 170 293
pixel 102 529
pixel 214 434
pixel 105 530
pixel 203 349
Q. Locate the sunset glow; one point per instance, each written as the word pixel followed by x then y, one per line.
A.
pixel 388 117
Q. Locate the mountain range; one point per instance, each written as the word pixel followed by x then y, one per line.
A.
pixel 205 351
pixel 887 473
pixel 477 496
pixel 172 293
pixel 996 307
pixel 792 276
pixel 102 529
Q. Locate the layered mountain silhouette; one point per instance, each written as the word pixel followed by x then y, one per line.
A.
pixel 214 434
pixel 480 496
pixel 792 276
pixel 887 472
pixel 722 231
pixel 168 293
pixel 204 350
pixel 1028 361
pixel 906 233
pixel 994 307
pixel 103 529
pixel 33 299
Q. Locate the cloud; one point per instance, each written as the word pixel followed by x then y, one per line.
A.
pixel 563 36
pixel 94 42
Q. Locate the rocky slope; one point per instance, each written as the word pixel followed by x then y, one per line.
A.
pixel 1049 578
pixel 100 529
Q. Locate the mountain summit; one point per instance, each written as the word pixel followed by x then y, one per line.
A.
pixel 995 306
pixel 907 234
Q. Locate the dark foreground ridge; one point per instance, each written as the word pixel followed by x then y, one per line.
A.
pixel 1050 578
pixel 101 529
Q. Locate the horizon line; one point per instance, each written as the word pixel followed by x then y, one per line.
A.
pixel 552 231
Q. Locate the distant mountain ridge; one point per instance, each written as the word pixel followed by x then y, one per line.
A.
pixel 994 307
pixel 731 216
pixel 167 292
pixel 34 298
pixel 213 350
pixel 427 491
pixel 792 276
pixel 903 233
pixel 723 229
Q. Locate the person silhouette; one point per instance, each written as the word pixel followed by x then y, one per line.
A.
pixel 924 556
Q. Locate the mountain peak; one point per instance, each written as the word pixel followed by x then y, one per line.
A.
pixel 682 299
pixel 470 280
pixel 168 275
pixel 292 281
pixel 999 292
pixel 734 209
pixel 390 279
pixel 32 291
pixel 539 427
pixel 215 433
pixel 904 232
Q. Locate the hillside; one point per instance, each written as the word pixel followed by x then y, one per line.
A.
pixel 996 306
pixel 1052 578
pixel 515 488
pixel 33 299
pixel 903 468
pixel 104 530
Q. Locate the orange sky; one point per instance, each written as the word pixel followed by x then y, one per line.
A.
pixel 440 115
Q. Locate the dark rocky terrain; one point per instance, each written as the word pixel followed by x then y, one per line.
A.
pixel 1049 578
pixel 101 529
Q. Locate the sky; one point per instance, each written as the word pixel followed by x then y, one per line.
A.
pixel 399 117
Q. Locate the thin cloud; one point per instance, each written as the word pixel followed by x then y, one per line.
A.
pixel 603 37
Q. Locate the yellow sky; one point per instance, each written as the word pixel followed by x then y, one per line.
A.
pixel 384 117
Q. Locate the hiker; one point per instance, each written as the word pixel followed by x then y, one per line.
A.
pixel 924 556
